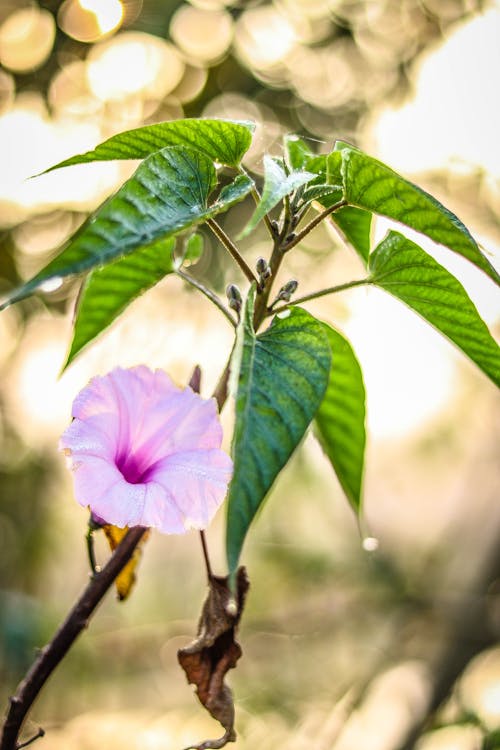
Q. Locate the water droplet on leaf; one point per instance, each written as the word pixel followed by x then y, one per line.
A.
pixel 51 285
pixel 370 543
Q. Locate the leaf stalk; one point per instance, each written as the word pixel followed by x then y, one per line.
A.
pixel 232 250
pixel 320 293
pixel 208 294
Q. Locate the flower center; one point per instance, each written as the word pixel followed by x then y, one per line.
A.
pixel 130 468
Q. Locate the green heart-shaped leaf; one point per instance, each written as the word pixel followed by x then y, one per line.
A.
pixel 280 376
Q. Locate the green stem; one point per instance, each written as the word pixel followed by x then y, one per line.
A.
pixel 232 249
pixel 262 299
pixel 312 224
pixel 208 294
pixel 320 293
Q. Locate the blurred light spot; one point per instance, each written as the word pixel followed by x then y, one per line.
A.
pixel 308 9
pixel 90 20
pixel 109 13
pixel 170 109
pixel 465 737
pixel 323 77
pixel 134 62
pixel 43 233
pixel 192 84
pixel 40 399
pixel 202 34
pixel 7 90
pixel 480 688
pixel 26 39
pixel 69 92
pixel 264 37
pixel 31 142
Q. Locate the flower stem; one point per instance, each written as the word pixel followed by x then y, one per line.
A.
pixel 76 621
pixel 320 293
pixel 206 555
pixel 232 250
pixel 208 294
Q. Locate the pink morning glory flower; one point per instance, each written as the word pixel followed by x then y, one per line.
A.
pixel 146 453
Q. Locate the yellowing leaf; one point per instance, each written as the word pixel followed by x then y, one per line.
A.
pixel 126 578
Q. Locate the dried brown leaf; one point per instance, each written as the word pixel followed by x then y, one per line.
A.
pixel 214 651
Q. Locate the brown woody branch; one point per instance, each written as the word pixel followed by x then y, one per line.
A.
pixel 52 654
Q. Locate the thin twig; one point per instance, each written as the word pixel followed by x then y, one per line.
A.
pixel 76 621
pixel 321 293
pixel 40 733
pixel 232 250
pixel 312 224
pixel 208 294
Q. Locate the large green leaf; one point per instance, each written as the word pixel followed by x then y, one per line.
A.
pixel 281 377
pixel 371 185
pixel 354 225
pixel 277 184
pixel 107 291
pixel 168 193
pixel 340 420
pixel 224 141
pixel 402 268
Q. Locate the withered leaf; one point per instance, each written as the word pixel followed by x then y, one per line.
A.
pixel 214 651
pixel 125 579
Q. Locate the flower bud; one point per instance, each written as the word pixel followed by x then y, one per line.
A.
pixel 234 297
pixel 287 290
pixel 263 269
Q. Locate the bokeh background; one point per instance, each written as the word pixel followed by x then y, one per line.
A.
pixel 351 637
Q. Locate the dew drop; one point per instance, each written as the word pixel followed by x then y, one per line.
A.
pixel 51 285
pixel 370 543
pixel 283 314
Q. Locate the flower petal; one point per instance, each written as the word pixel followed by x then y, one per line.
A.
pixel 90 437
pixel 197 483
pixel 99 484
pixel 183 421
pixel 161 512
